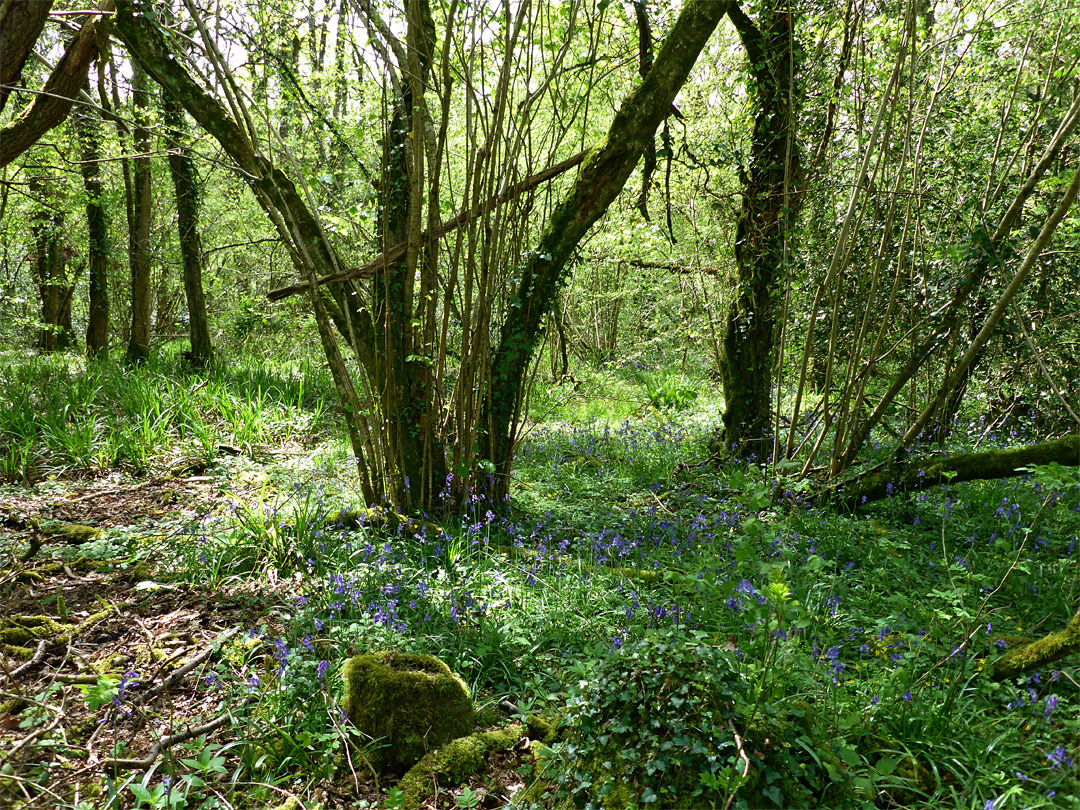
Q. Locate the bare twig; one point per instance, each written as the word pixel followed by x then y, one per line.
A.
pixel 179 674
pixel 165 743
pixel 745 760
pixel 39 654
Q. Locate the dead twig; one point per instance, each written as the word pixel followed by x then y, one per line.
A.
pixel 39 654
pixel 746 764
pixel 168 742
pixel 180 673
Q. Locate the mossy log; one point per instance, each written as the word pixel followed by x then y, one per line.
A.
pixel 926 473
pixel 1039 653
pixel 16 631
pixel 413 703
pixel 454 762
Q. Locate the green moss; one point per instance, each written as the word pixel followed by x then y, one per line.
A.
pixel 1039 653
pixel 540 729
pixel 18 630
pixel 412 703
pixel 454 762
pixel 74 533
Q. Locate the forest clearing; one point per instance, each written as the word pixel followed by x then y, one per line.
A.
pixel 584 404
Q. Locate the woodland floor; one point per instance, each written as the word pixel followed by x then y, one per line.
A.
pixel 121 620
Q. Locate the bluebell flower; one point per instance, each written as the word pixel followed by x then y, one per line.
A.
pixel 1059 757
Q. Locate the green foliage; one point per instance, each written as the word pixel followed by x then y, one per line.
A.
pixel 670 391
pixel 649 724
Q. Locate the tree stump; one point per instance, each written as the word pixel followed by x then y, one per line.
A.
pixel 412 703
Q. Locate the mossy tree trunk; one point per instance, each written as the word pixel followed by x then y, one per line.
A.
pixel 1046 650
pixel 21 23
pixel 769 207
pixel 50 264
pixel 601 179
pixel 933 472
pixel 51 106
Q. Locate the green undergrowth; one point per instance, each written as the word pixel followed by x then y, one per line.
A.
pixel 58 415
pixel 698 635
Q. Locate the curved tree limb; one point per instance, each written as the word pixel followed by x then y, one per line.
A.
pixel 21 23
pixel 601 179
pixel 50 107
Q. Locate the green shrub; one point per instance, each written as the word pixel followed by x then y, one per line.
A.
pixel 652 726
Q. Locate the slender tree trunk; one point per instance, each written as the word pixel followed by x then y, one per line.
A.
pixel 142 208
pixel 185 181
pixel 44 227
pixel 97 223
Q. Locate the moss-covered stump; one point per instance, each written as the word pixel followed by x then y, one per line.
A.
pixel 1039 653
pixel 413 703
pixel 454 762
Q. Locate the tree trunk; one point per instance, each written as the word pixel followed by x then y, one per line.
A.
pixel 933 472
pixel 50 107
pixel 97 224
pixel 21 23
pixel 50 265
pixel 185 181
pixel 139 227
pixel 602 176
pixel 768 210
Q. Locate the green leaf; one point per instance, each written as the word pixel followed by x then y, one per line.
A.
pixel 848 756
pixel 886 765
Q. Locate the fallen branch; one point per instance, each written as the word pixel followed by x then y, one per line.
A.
pixel 166 743
pixel 39 654
pixel 926 473
pixel 1039 653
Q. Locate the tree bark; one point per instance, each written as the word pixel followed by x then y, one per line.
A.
pixel 21 23
pixel 97 223
pixel 768 210
pixel 926 473
pixel 185 182
pixel 51 106
pixel 602 176
pixel 138 349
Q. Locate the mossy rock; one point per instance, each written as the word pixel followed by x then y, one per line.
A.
pixel 454 763
pixel 412 703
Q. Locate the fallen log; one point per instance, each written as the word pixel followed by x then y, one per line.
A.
pixel 932 472
pixel 1035 654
